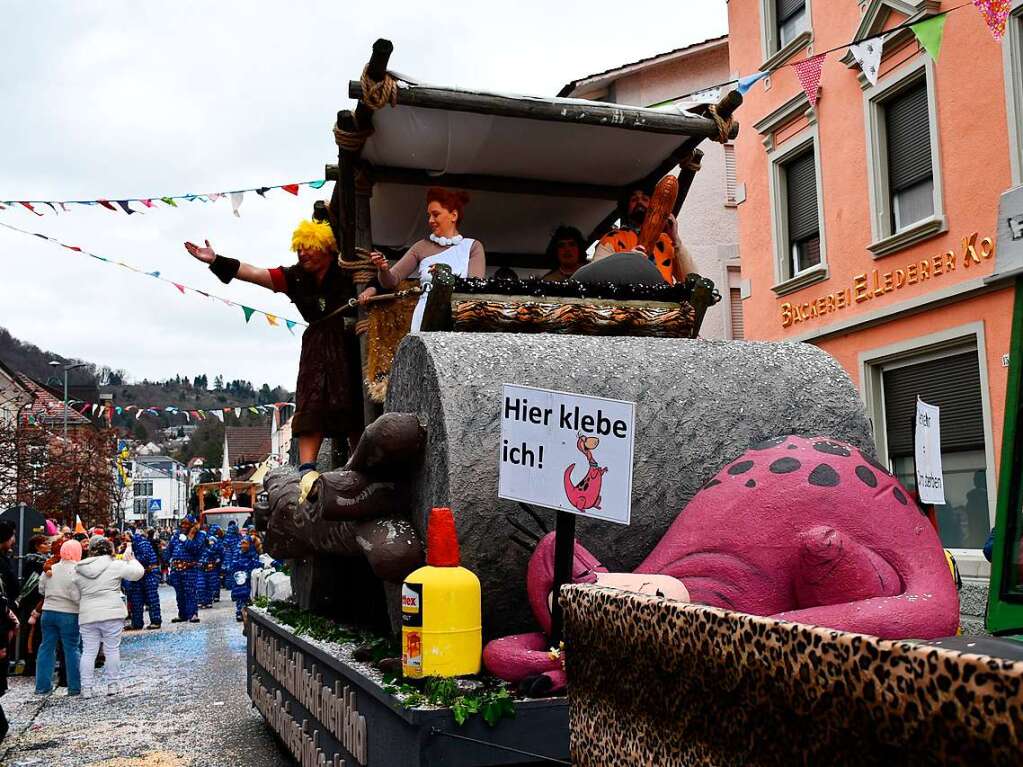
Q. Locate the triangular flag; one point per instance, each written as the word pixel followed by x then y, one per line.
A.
pixel 930 33
pixel 147 203
pixel 179 287
pixel 186 415
pixel 29 206
pixel 248 312
pixel 214 196
pixel 54 209
pixel 745 83
pixel 219 414
pixel 253 410
pixel 106 204
pixel 236 202
pixel 94 407
pixel 868 56
pixel 79 250
pixel 996 14
pixel 124 206
pixel 271 319
pixel 169 201
pixel 202 293
pixel 292 188
pixel 191 197
pixel 262 191
pixel 809 73
pixel 317 184
pixel 291 325
pixel 151 274
pixel 237 412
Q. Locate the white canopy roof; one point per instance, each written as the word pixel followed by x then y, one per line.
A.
pixel 590 164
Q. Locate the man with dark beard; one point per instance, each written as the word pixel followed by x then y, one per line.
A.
pixel 669 256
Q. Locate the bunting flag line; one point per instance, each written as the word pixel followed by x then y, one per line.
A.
pixel 930 32
pixel 809 73
pixel 996 15
pixel 868 56
pixel 124 205
pixel 106 410
pixel 249 311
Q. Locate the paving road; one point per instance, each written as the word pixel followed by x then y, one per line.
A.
pixel 183 703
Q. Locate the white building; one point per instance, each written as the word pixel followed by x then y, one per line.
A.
pixel 159 495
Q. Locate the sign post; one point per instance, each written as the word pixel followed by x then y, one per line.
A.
pixel 571 453
pixel 930 480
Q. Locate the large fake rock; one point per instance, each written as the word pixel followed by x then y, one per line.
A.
pixel 699 405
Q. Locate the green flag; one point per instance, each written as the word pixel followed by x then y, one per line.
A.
pixel 249 311
pixel 317 184
pixel 930 33
pixel 169 201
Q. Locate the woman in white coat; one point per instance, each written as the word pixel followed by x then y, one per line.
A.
pixel 101 611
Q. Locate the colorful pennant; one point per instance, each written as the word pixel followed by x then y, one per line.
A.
pixel 124 205
pixel 249 311
pixel 930 32
pixel 868 56
pixel 996 15
pixel 744 84
pixel 809 73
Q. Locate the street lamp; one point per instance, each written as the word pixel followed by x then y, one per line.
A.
pixel 57 364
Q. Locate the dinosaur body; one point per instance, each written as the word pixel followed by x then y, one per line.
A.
pixel 586 493
pixel 801 529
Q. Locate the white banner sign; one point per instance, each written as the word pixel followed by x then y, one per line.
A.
pixel 930 481
pixel 567 451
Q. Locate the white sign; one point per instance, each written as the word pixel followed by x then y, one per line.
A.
pixel 567 451
pixel 930 481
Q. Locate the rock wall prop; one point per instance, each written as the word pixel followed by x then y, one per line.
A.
pixel 699 405
pixel 652 681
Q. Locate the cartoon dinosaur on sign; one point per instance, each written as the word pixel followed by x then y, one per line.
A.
pixel 586 494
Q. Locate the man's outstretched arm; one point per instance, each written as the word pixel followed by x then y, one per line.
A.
pixel 228 269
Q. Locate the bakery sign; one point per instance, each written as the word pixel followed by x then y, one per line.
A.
pixel 868 286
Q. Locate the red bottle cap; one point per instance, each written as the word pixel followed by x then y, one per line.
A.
pixel 441 539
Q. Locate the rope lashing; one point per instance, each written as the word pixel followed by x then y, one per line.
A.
pixel 725 125
pixel 377 95
pixel 690 163
pixel 351 141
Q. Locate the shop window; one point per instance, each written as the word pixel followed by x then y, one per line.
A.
pixel 952 382
pixel 904 171
pixel 785 29
pixel 802 225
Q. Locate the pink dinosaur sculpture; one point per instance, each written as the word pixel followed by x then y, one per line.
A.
pixel 586 494
pixel 801 529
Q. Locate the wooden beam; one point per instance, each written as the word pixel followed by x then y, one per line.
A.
pixel 376 69
pixel 551 110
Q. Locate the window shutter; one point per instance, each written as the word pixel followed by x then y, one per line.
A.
pixel 788 8
pixel 729 173
pixel 951 383
pixel 735 306
pixel 907 123
pixel 801 190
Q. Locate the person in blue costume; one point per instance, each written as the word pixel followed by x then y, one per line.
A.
pixel 209 567
pixel 145 593
pixel 241 575
pixel 188 544
pixel 231 541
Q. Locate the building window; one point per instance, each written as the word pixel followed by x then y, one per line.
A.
pixel 785 29
pixel 802 225
pixel 791 20
pixel 143 488
pixel 730 199
pixel 141 507
pixel 1013 46
pixel 952 382
pixel 905 175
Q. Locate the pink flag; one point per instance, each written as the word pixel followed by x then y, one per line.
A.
pixel 293 188
pixel 179 287
pixel 996 14
pixel 147 203
pixel 809 73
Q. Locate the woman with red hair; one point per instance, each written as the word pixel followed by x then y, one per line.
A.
pixel 444 211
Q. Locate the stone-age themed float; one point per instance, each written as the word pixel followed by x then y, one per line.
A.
pixel 755 489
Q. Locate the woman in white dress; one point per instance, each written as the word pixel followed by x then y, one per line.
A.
pixel 444 211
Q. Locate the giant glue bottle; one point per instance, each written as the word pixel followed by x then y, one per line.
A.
pixel 440 608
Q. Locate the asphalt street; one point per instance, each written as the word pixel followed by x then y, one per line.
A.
pixel 183 702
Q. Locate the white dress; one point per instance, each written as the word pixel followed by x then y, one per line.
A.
pixel 457 257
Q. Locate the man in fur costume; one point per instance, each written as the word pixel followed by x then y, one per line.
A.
pixel 329 389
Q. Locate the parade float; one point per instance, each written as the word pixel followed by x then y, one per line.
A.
pixel 739 475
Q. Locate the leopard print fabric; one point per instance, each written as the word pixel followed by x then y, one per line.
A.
pixel 656 682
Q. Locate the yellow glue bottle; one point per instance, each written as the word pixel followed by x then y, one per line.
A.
pixel 440 609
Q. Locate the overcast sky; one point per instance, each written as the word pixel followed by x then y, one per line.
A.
pixel 138 99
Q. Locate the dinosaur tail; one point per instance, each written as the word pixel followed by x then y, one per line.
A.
pixel 569 487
